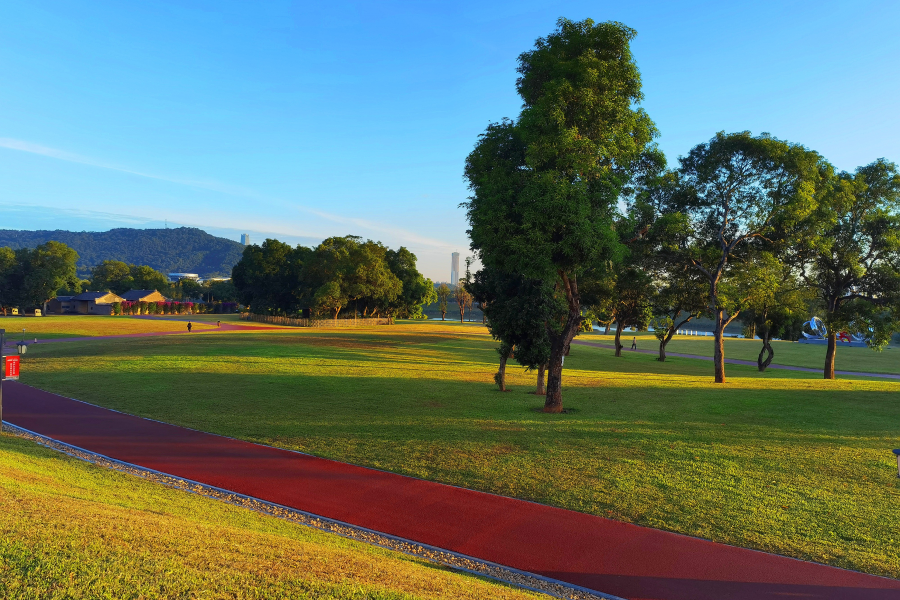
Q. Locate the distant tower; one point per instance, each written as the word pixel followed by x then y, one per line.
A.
pixel 454 268
pixel 245 239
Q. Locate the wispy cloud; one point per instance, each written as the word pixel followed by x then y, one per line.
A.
pixel 398 233
pixel 32 148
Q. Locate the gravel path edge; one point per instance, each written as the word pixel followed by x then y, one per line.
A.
pixel 454 560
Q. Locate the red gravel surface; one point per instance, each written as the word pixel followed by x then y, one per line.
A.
pixel 616 558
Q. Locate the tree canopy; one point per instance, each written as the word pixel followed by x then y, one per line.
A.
pixel 544 189
pixel 340 274
pixel 31 277
pixel 850 254
pixel 119 277
pixel 734 194
pixel 517 311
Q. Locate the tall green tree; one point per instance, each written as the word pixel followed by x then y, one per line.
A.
pixel 735 194
pixel 111 275
pixel 9 268
pixel 119 277
pixel 415 290
pixel 463 298
pixel 777 310
pixel 681 297
pixel 850 255
pixel 269 278
pixel 144 277
pixel 222 291
pixel 544 189
pixel 443 295
pixel 44 271
pixel 632 297
pixel 517 310
pixel 355 271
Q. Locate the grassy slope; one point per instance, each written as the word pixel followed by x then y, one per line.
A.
pixel 786 353
pixel 71 530
pixel 781 461
pixel 89 326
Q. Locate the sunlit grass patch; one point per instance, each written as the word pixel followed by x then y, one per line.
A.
pixel 72 530
pixel 780 461
pixel 64 326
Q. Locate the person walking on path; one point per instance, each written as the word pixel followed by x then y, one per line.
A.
pixel 634 343
pixel 218 323
pixel 190 326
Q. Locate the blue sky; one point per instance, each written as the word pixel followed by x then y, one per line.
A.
pixel 304 120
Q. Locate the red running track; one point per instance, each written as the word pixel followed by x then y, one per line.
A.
pixel 616 558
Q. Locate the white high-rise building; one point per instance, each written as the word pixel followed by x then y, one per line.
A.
pixel 454 268
pixel 245 239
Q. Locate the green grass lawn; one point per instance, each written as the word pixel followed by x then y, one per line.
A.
pixel 72 530
pixel 786 353
pixel 779 461
pixel 64 326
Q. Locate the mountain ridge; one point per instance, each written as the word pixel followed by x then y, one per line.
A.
pixel 176 250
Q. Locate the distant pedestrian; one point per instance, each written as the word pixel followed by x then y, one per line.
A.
pixel 218 323
pixel 190 326
pixel 634 343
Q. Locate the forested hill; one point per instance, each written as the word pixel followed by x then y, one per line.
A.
pixel 180 250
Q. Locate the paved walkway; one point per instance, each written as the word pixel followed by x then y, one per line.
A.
pixel 615 558
pixel 735 361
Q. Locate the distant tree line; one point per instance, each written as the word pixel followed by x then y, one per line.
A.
pixel 746 227
pixel 31 277
pixel 340 275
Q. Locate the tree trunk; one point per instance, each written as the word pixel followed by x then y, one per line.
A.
pixel 462 312
pixel 500 377
pixel 443 314
pixel 829 355
pixel 559 345
pixel 606 331
pixel 766 349
pixel 665 342
pixel 719 348
pixel 542 373
pixel 553 401
pixel 618 339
